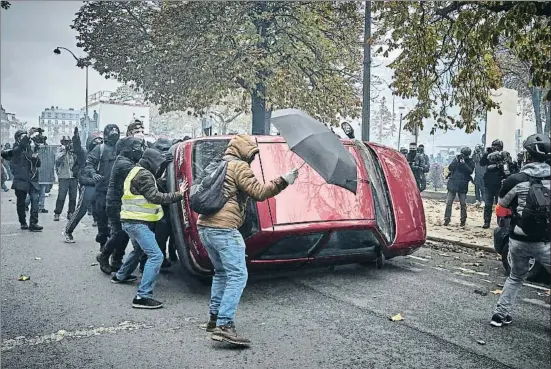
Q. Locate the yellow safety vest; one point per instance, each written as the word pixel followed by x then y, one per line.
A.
pixel 136 207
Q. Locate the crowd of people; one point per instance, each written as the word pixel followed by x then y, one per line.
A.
pixel 122 184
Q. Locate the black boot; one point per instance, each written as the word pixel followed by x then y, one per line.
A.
pixel 35 228
pixel 116 264
pixel 103 263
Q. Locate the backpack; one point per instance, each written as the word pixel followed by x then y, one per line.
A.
pixel 207 196
pixel 534 220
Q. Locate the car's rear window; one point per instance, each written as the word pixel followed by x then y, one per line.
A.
pixel 204 152
pixel 349 242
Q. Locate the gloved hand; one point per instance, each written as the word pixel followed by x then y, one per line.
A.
pixel 291 176
pixel 97 177
pixel 168 157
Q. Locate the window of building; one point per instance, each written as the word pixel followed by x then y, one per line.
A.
pixel 49 120
pixel 49 115
pixel 63 115
pixel 56 121
pixel 63 122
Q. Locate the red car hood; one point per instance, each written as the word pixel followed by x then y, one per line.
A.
pixel 310 198
pixel 409 213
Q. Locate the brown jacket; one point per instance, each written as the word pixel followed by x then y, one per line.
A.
pixel 240 184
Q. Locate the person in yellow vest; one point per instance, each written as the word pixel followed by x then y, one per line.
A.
pixel 141 207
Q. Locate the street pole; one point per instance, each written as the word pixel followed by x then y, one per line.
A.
pixel 400 132
pixel 366 73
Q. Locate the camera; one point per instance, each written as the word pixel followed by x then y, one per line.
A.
pixel 38 139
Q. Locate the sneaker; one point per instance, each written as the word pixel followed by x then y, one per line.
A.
pixel 56 217
pixel 68 237
pixel 210 325
pixel 95 224
pixel 103 263
pixel 35 228
pixel 486 225
pixel 477 204
pixel 446 223
pixel 130 278
pixel 146 303
pixel 24 226
pixel 462 224
pixel 227 333
pixel 498 321
pixel 43 211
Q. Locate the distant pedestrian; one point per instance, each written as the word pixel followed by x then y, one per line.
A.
pixel 67 160
pixel 479 171
pixel 528 195
pixel 141 208
pixel 4 177
pixel 46 174
pixel 460 171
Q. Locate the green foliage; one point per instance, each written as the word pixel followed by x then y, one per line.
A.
pixel 5 5
pixel 194 54
pixel 447 53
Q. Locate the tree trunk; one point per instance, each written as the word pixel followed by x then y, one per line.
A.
pixel 259 93
pixel 536 102
pixel 547 111
pixel 259 110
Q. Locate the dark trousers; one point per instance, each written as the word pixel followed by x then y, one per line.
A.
pixel 479 188
pixel 66 185
pixel 103 220
pixel 491 195
pixel 87 195
pixel 118 240
pixel 462 203
pixel 21 197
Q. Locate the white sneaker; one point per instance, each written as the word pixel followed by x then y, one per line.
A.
pixel 477 203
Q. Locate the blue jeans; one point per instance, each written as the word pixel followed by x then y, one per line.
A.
pixel 226 249
pixel 143 241
pixel 41 197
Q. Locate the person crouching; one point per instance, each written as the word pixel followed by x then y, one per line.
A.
pixel 141 207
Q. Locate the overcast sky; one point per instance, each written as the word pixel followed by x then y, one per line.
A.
pixel 33 77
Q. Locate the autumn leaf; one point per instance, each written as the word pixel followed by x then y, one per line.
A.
pixel 396 318
pixel 23 277
pixel 497 292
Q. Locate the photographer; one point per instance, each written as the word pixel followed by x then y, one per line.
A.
pixel 499 166
pixel 460 171
pixel 425 167
pixel 417 165
pixel 66 165
pixel 25 162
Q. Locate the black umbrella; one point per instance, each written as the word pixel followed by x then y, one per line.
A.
pixel 317 146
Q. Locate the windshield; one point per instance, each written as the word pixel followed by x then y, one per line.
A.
pixel 379 189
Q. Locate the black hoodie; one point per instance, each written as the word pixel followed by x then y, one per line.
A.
pixel 123 165
pixel 23 165
pixel 102 165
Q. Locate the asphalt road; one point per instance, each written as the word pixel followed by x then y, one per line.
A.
pixel 68 315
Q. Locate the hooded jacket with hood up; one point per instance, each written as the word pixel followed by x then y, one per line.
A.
pixel 23 165
pixel 144 183
pixel 103 165
pixel 240 184
pixel 122 166
pixel 515 190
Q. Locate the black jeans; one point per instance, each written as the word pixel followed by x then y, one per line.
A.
pixel 479 188
pixel 21 196
pixel 491 195
pixel 87 195
pixel 118 241
pixel 103 220
pixel 462 203
pixel 66 185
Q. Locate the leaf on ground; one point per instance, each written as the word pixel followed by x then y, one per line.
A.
pixel 37 258
pixel 23 278
pixel 94 264
pixel 481 342
pixel 396 318
pixel 497 292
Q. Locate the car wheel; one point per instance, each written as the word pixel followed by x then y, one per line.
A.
pixel 380 261
pixel 535 273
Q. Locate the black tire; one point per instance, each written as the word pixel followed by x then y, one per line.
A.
pixel 380 261
pixel 537 271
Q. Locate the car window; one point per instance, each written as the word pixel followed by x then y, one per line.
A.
pixel 292 247
pixel 205 152
pixel 349 242
pixel 379 188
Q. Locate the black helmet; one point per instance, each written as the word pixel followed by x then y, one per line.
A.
pixel 497 144
pixel 538 146
pixel 466 151
pixel 162 144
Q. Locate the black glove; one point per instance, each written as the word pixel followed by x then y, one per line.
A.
pixel 97 178
pixel 168 157
pixel 76 138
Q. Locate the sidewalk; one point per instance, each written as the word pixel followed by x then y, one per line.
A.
pixel 472 236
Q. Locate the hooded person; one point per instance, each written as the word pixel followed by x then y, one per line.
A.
pixel 415 162
pixel 220 236
pixel 493 177
pixel 87 190
pixel 24 163
pixel 130 152
pixel 425 167
pixel 460 171
pixel 141 208
pixel 99 163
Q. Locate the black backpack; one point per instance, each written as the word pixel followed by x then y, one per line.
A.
pixel 534 220
pixel 207 196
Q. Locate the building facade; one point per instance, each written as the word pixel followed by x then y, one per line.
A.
pixel 57 122
pixel 9 124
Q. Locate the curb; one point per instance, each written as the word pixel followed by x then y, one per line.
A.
pixel 462 244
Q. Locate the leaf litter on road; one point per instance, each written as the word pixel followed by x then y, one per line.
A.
pixel 23 277
pixel 397 318
pixel 497 292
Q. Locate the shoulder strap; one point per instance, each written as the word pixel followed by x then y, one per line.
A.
pixel 101 148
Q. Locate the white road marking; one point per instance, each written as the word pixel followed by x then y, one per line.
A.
pixel 537 302
pixel 417 258
pixel 10 234
pixel 536 287
pixel 464 283
pixel 8 344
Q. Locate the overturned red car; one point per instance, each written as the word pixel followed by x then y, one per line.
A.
pixel 311 223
